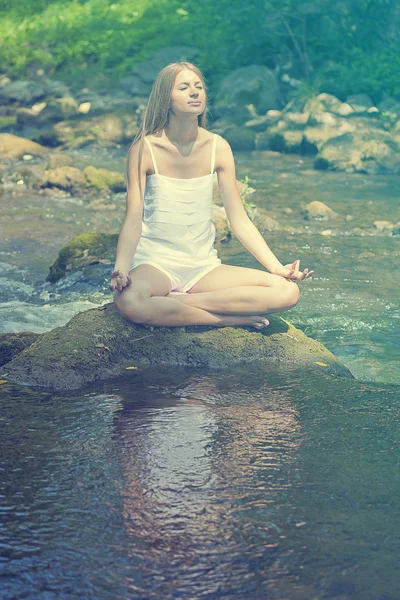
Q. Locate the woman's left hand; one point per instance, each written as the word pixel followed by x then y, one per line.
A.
pixel 292 271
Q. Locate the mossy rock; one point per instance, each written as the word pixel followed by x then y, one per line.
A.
pixel 102 179
pixel 99 343
pixel 70 179
pixel 85 249
pixel 12 344
pixel 106 129
pixel 76 182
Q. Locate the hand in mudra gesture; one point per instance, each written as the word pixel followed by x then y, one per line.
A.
pixel 119 281
pixel 292 271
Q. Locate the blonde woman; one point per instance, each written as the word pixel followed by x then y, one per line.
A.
pixel 168 229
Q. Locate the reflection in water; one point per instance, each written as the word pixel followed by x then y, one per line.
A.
pixel 257 483
pixel 201 477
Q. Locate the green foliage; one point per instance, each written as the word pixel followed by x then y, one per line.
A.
pixel 334 46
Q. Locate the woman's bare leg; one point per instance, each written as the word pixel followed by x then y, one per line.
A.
pixel 259 292
pixel 146 302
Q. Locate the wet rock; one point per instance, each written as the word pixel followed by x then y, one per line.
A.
pixel 58 109
pixel 232 114
pixel 13 147
pixel 267 223
pixel 58 159
pixel 384 226
pixel 352 152
pixel 102 179
pixel 254 85
pixel 389 105
pixel 99 343
pixel 88 181
pixel 324 103
pixel 258 124
pixel 396 229
pixel 319 211
pixel 360 102
pixel 106 129
pixel 22 92
pixel 12 344
pixel 280 139
pixel 240 138
pixel 298 119
pixel 65 178
pixel 85 249
pixel 221 223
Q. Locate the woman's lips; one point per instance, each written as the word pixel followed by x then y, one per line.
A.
pixel 195 103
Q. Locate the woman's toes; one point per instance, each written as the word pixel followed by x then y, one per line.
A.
pixel 263 322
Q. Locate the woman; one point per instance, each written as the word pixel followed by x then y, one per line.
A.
pixel 168 227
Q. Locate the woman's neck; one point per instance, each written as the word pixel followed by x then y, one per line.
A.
pixel 182 132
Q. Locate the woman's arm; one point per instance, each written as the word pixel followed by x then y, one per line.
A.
pixel 243 228
pixel 132 227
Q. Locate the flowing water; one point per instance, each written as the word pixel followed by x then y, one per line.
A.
pixel 185 483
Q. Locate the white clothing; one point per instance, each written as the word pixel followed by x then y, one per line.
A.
pixel 178 234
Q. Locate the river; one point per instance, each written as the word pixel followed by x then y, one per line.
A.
pixel 181 483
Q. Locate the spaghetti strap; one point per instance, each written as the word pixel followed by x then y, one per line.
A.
pixel 213 153
pixel 152 156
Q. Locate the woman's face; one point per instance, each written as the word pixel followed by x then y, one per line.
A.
pixel 188 96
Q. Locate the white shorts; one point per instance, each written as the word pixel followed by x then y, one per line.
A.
pixel 182 278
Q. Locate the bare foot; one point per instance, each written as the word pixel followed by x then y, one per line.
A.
pixel 261 323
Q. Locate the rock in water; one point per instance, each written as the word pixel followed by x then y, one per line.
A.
pixel 99 343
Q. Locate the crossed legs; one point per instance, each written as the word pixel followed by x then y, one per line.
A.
pixel 214 300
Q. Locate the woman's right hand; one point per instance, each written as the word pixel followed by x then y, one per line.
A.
pixel 119 281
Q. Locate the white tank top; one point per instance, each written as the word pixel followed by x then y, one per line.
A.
pixel 177 217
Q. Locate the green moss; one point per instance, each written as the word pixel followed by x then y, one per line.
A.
pixel 85 249
pixel 102 179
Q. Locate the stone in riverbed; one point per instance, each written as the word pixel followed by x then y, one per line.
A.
pixel 85 249
pixel 319 211
pixel 384 226
pixel 75 181
pixel 13 147
pixel 12 344
pixel 99 343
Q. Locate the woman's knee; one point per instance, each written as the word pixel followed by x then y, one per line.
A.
pixel 291 294
pixel 132 305
pixel 287 292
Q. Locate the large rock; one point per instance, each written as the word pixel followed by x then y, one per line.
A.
pixel 360 153
pixel 85 249
pixel 106 129
pixel 12 344
pixel 143 74
pixel 99 343
pixel 89 181
pixel 13 147
pixel 319 211
pixel 22 92
pixel 240 138
pixel 254 85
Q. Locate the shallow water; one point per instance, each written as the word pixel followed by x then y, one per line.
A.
pixel 182 483
pixel 351 305
pixel 192 484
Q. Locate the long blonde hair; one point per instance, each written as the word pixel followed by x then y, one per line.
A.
pixel 156 113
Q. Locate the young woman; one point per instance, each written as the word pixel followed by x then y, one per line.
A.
pixel 168 227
